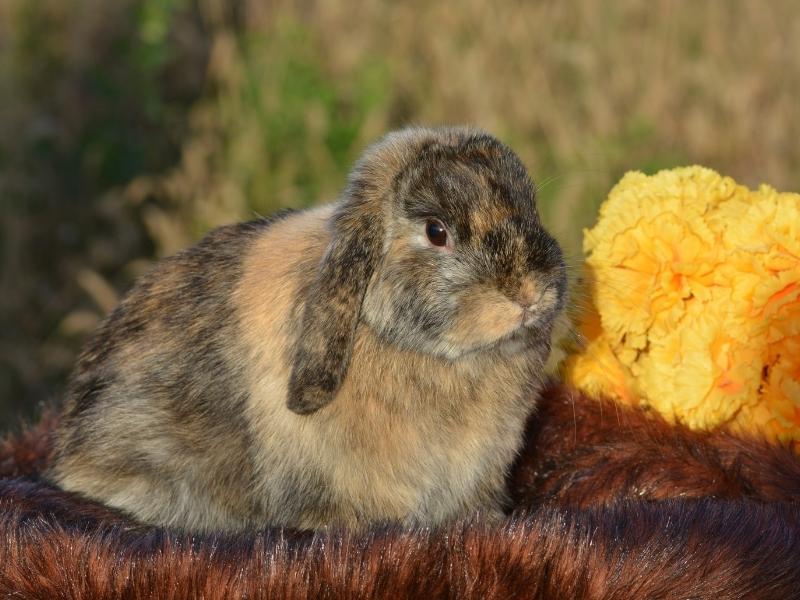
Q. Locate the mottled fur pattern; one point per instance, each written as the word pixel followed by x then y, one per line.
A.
pixel 156 393
pixel 331 366
pixel 610 503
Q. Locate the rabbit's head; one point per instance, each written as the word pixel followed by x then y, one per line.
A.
pixel 438 247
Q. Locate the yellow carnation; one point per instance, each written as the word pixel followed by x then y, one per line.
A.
pixel 695 281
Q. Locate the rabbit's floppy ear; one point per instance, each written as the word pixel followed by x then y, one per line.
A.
pixel 333 305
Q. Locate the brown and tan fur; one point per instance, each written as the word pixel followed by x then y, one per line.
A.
pixel 329 366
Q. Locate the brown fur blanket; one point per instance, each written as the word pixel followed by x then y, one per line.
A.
pixel 608 503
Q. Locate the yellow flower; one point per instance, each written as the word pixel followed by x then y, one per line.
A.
pixel 597 368
pixel 696 286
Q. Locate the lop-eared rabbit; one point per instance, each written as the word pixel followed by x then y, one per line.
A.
pixel 372 360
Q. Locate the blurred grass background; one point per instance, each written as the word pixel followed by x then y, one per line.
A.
pixel 128 128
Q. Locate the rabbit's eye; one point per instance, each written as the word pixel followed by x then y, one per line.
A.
pixel 437 234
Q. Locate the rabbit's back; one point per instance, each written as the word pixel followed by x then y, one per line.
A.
pixel 155 420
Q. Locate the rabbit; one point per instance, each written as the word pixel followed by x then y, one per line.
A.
pixel 369 361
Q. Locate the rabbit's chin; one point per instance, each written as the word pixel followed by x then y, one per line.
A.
pixel 524 338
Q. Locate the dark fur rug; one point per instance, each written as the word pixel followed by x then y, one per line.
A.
pixel 608 503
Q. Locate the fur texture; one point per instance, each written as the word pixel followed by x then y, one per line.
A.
pixel 581 452
pixel 333 366
pixel 610 503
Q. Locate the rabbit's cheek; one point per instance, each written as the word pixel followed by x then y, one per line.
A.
pixel 482 318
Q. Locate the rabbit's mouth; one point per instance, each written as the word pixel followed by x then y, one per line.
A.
pixel 540 309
